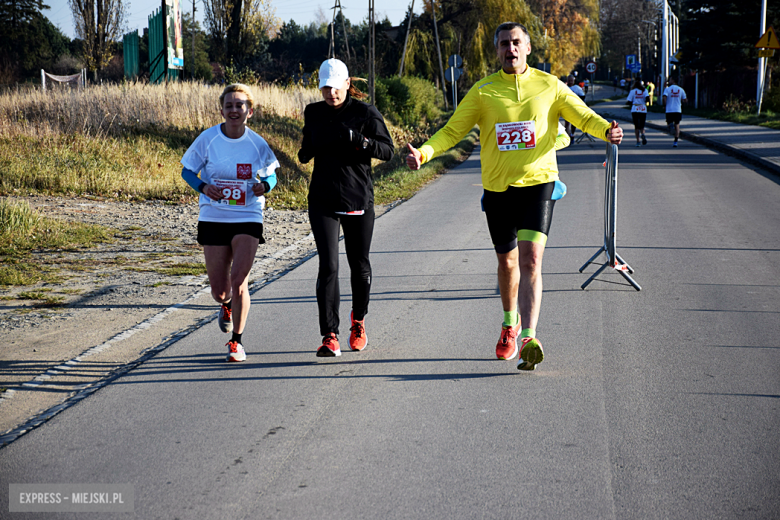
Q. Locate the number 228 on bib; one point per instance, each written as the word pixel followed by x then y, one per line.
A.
pixel 520 135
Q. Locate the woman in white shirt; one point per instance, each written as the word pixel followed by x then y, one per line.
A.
pixel 236 168
pixel 639 97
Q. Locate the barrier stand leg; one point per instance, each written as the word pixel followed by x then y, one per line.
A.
pixel 584 135
pixel 598 272
pixel 592 258
pixel 624 263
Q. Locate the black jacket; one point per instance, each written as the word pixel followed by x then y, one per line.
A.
pixel 342 159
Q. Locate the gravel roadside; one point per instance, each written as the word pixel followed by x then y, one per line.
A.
pixel 116 301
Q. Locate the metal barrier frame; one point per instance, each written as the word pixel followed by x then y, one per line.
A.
pixel 584 135
pixel 610 225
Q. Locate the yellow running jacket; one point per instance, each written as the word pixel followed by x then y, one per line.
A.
pixel 517 116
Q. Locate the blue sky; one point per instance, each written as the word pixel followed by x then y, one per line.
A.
pixel 302 11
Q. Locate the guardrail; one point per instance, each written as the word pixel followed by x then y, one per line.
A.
pixel 610 225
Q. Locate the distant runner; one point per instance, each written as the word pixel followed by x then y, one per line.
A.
pixel 638 97
pixel 570 128
pixel 673 99
pixel 236 169
pixel 517 110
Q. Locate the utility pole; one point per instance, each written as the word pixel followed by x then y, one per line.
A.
pixel 165 42
pixel 664 48
pixel 438 49
pixel 332 46
pixel 192 30
pixel 371 52
pixel 406 40
pixel 344 28
pixel 761 61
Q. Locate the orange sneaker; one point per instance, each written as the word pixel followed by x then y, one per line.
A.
pixel 330 346
pixel 357 335
pixel 507 344
pixel 531 353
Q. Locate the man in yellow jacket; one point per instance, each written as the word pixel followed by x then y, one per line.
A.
pixel 517 110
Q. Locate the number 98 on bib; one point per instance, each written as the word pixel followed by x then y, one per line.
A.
pixel 520 135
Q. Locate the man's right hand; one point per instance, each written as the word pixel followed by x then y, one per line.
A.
pixel 414 158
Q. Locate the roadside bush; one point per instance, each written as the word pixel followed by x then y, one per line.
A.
pixel 734 105
pixel 772 99
pixel 408 102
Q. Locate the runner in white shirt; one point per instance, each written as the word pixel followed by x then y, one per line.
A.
pixel 673 98
pixel 236 169
pixel 577 90
pixel 638 98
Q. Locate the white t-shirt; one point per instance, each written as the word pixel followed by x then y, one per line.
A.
pixel 577 90
pixel 233 165
pixel 638 99
pixel 674 97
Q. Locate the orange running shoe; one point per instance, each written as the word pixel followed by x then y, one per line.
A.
pixel 330 346
pixel 225 319
pixel 357 336
pixel 507 345
pixel 235 351
pixel 531 353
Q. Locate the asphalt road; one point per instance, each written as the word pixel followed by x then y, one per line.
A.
pixel 654 404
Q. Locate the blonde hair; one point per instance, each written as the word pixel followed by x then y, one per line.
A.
pixel 237 87
pixel 356 92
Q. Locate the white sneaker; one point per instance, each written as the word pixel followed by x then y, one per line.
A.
pixel 235 351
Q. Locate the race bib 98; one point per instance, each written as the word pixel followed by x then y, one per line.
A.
pixel 233 192
pixel 516 136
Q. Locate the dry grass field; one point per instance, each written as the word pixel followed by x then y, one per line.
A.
pixel 124 142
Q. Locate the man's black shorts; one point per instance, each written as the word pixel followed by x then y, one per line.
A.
pixel 639 120
pixel 529 208
pixel 222 233
pixel 673 117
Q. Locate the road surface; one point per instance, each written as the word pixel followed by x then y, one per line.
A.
pixel 654 404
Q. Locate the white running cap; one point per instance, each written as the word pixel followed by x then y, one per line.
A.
pixel 333 73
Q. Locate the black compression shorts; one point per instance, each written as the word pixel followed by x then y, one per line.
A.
pixel 222 233
pixel 639 120
pixel 527 211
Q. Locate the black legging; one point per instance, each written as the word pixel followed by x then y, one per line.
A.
pixel 358 230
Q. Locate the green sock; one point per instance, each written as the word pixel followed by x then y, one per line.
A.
pixel 528 333
pixel 511 318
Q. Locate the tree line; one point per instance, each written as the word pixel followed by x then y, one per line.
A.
pixel 244 39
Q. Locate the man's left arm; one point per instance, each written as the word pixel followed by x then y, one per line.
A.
pixel 574 110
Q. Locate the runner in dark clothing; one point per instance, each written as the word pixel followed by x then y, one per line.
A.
pixel 342 134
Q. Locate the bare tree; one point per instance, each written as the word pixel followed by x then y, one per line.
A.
pixel 99 24
pixel 627 27
pixel 236 26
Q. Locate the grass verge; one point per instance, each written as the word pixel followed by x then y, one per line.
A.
pixel 394 181
pixel 23 230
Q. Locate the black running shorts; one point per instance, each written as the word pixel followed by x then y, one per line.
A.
pixel 639 120
pixel 673 117
pixel 508 212
pixel 222 233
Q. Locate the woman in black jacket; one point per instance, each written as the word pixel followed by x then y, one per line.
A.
pixel 342 134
